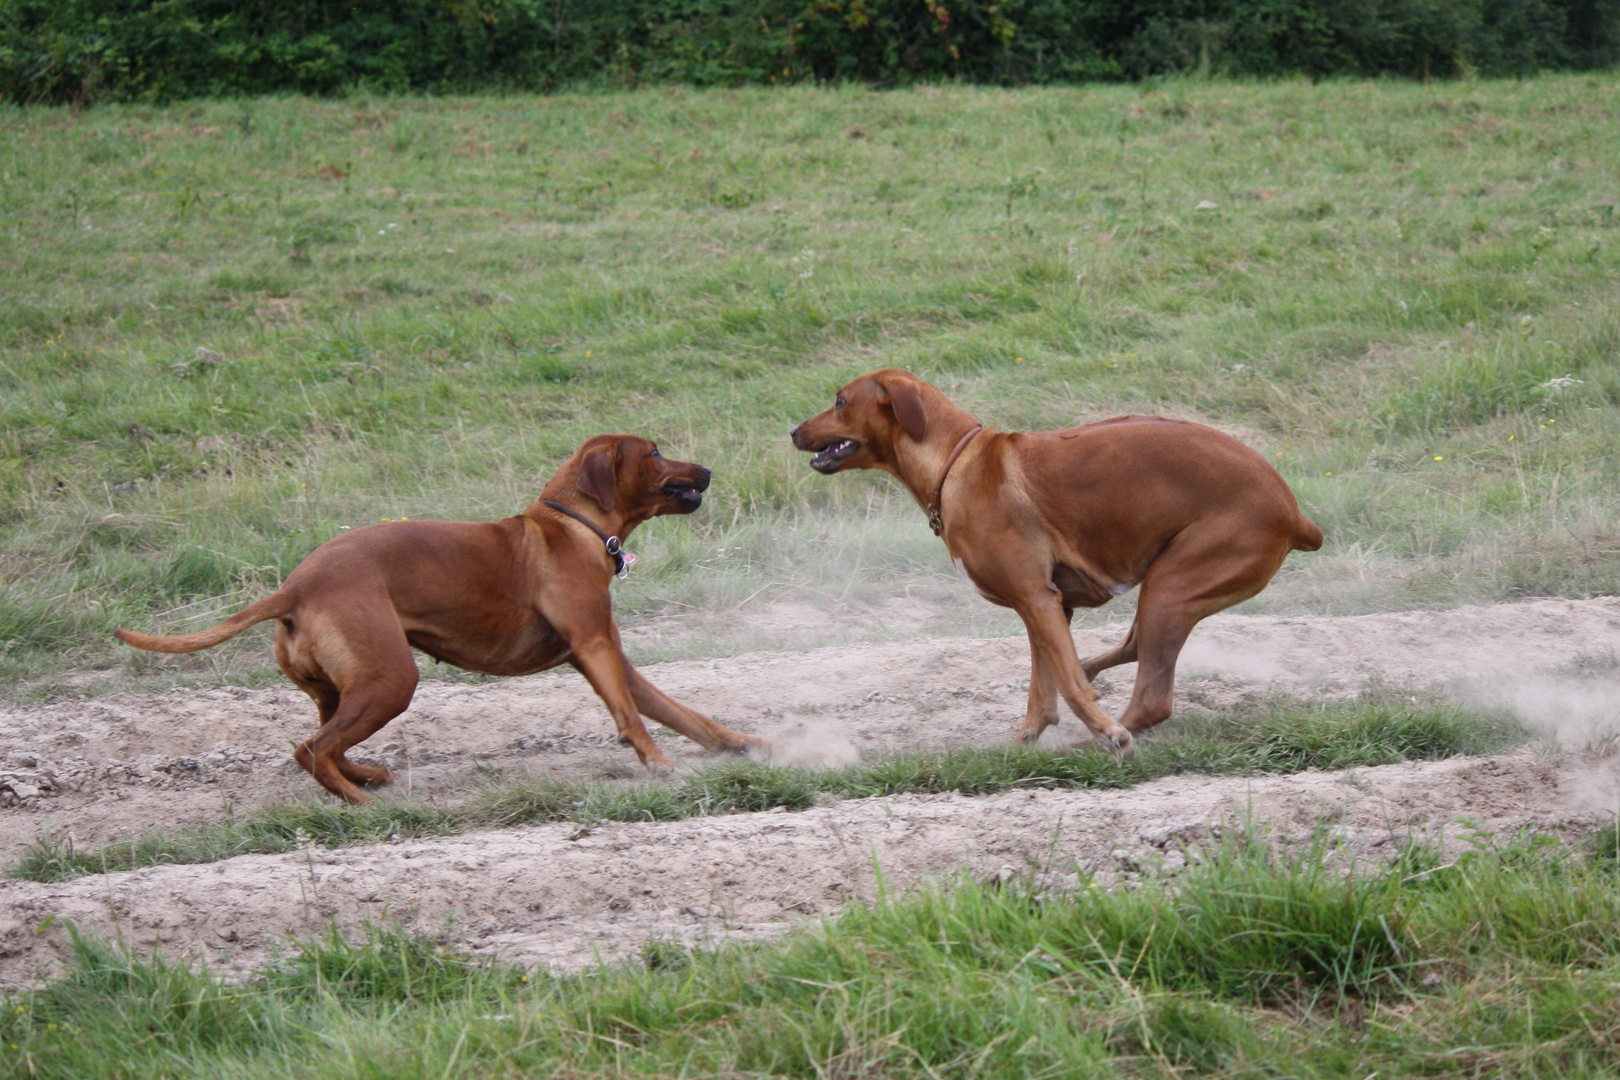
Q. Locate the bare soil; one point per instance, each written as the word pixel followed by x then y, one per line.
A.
pixel 100 769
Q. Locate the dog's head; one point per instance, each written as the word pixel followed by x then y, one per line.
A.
pixel 626 476
pixel 867 418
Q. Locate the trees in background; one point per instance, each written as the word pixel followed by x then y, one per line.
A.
pixel 86 50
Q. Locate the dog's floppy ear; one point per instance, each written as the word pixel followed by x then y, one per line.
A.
pixel 906 401
pixel 598 476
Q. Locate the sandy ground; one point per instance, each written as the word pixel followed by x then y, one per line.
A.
pixel 94 770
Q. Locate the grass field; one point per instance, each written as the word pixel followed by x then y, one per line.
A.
pixel 1253 963
pixel 1404 294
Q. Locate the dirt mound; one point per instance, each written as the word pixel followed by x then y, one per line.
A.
pixel 94 770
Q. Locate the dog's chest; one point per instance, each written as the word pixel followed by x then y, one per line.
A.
pixel 1080 589
pixel 508 647
pixel 967 575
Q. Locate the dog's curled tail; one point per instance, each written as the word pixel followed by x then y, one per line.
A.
pixel 269 608
pixel 1308 537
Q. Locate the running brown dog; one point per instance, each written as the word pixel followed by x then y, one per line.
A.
pixel 1044 522
pixel 507 597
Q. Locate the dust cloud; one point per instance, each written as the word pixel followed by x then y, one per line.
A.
pixel 810 744
pixel 1574 713
pixel 1577 713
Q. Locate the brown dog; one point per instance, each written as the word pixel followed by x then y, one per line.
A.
pixel 1045 522
pixel 505 597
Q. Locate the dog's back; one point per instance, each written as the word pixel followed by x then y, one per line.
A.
pixel 1146 478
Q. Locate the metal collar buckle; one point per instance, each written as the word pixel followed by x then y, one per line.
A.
pixel 621 568
pixel 621 558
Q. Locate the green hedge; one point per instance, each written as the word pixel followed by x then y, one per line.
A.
pixel 86 50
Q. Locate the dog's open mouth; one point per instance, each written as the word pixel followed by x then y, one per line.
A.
pixel 686 495
pixel 833 455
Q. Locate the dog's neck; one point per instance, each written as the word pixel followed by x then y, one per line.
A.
pixel 613 523
pixel 921 465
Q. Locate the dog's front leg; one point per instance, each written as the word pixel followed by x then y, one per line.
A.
pixel 694 725
pixel 608 672
pixel 1049 637
pixel 1043 691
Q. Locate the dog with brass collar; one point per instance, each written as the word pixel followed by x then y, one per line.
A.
pixel 508 597
pixel 1045 522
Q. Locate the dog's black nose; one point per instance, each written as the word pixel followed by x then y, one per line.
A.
pixel 793 432
pixel 705 469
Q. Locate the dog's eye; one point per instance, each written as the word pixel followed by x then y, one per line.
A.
pixel 655 453
pixel 839 402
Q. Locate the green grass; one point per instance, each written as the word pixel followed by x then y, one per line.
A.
pixel 1403 293
pixel 1287 737
pixel 1252 963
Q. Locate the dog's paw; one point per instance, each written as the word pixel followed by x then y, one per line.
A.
pixel 756 748
pixel 1121 742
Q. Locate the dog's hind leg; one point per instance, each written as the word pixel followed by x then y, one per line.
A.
pixel 1123 653
pixel 295 662
pixel 1196 576
pixel 376 680
pixel 327 699
pixel 306 674
pixel 361 713
pixel 365 775
pixel 1164 630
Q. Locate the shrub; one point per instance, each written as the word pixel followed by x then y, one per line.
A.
pixel 87 50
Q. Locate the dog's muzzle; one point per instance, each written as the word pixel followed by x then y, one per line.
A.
pixel 688 494
pixel 834 454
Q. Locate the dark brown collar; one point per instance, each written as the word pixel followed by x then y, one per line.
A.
pixel 936 520
pixel 610 542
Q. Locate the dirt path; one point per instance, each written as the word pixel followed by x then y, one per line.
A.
pixel 119 765
pixel 551 896
pixel 103 768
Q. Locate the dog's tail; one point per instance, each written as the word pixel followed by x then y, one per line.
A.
pixel 270 607
pixel 1307 537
